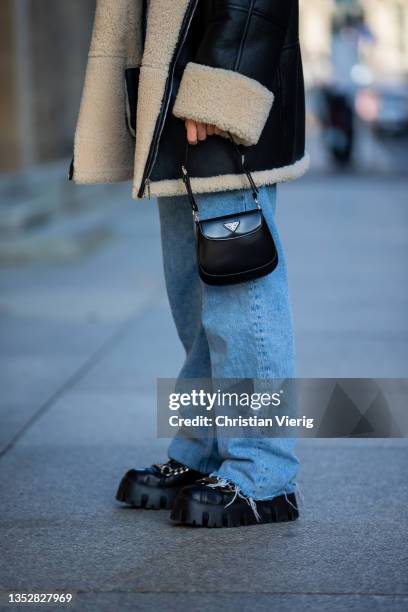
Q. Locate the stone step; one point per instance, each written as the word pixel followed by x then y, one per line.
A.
pixel 45 218
pixel 39 196
pixel 64 240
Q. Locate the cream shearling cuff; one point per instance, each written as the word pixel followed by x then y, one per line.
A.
pixel 229 100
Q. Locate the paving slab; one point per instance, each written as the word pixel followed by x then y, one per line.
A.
pixel 61 526
pixel 224 602
pixel 347 250
pixel 55 319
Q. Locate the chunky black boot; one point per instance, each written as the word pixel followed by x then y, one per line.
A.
pixel 155 487
pixel 215 502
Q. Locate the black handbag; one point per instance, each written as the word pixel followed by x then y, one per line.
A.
pixel 233 248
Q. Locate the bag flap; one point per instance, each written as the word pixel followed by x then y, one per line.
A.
pixel 231 226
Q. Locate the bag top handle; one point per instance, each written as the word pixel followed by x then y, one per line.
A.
pixel 187 181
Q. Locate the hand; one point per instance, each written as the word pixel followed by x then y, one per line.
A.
pixel 197 132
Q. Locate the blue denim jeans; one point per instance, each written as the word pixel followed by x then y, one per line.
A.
pixel 238 331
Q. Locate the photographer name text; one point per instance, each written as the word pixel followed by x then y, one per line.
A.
pixel 252 421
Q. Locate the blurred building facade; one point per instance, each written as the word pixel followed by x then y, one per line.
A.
pixel 315 33
pixel 43 47
pixel 388 22
pixel 384 35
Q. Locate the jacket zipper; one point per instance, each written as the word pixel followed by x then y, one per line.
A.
pixel 154 146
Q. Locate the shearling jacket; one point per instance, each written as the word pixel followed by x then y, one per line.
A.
pixel 152 64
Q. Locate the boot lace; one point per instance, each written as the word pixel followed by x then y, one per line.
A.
pixel 215 482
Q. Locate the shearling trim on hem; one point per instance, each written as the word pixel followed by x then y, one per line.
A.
pixel 229 182
pixel 99 177
pixel 229 100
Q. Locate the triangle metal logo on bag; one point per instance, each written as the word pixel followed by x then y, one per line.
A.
pixel 232 227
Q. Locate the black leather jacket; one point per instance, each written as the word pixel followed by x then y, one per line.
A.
pixel 258 39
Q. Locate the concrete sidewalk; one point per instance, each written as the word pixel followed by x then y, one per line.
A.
pixel 82 344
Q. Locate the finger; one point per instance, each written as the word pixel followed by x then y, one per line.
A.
pixel 210 130
pixel 201 131
pixel 217 130
pixel 191 128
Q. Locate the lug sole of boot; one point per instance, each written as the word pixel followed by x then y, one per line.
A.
pixel 191 512
pixel 139 495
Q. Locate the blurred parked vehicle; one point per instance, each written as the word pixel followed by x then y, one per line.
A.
pixel 385 108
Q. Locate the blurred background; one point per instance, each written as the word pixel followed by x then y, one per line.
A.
pixel 356 67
